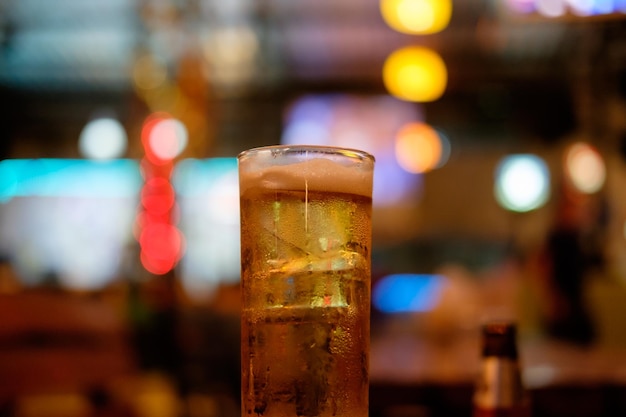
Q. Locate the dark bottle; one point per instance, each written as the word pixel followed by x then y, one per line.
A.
pixel 499 390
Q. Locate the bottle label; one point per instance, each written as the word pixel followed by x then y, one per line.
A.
pixel 499 384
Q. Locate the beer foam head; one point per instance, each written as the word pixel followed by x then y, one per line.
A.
pixel 317 174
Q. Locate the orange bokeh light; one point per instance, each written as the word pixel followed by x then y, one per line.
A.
pixel 584 167
pixel 418 148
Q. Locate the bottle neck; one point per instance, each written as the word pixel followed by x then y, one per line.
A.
pixel 499 390
pixel 500 340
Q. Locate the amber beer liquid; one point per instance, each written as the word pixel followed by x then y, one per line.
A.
pixel 499 391
pixel 305 245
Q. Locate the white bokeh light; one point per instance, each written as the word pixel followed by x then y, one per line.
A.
pixel 168 139
pixel 581 7
pixel 585 168
pixel 102 139
pixel 522 183
pixel 551 8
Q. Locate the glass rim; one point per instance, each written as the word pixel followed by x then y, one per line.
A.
pixel 298 149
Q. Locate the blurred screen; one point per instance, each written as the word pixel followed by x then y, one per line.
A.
pixel 67 222
pixel 208 197
pixel 70 222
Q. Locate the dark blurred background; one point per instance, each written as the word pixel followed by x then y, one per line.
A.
pixel 499 129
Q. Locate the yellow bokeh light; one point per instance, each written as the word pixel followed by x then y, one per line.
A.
pixel 417 17
pixel 148 73
pixel 415 74
pixel 418 148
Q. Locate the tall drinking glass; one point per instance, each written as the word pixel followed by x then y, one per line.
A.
pixel 305 253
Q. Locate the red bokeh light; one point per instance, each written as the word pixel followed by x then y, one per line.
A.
pixel 158 196
pixel 163 138
pixel 161 247
pixel 157 266
pixel 160 241
pixel 163 170
pixel 146 132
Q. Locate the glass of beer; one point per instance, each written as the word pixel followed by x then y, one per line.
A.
pixel 305 251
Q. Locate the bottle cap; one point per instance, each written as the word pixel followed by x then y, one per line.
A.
pixel 500 339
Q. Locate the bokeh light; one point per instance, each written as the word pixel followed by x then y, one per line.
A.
pixel 231 52
pixel 582 7
pixel 161 246
pixel 522 6
pixel 148 72
pixel 415 74
pixel 557 8
pixel 404 293
pixel 604 6
pixel 308 121
pixel 369 123
pixel 585 168
pixel 103 138
pixel 416 17
pixel 168 138
pixel 164 138
pixel 420 148
pixel 551 8
pixel 158 196
pixel 522 183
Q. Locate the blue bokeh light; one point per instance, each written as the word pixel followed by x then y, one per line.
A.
pixel 406 293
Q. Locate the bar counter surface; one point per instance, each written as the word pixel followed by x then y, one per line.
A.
pixel 411 375
pixel 414 371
